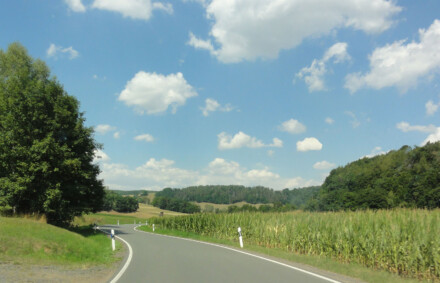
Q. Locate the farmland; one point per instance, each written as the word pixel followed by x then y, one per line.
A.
pixel 144 212
pixel 401 241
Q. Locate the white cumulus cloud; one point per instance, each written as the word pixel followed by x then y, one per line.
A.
pixel 104 128
pixel 292 126
pixel 329 121
pixel 212 105
pixel 75 5
pixel 434 132
pixel 239 140
pixel 158 174
pixel 314 75
pixel 153 93
pixel 432 138
pixel 324 165
pixel 406 127
pixel 431 107
pixel 135 9
pixel 308 144
pixel 401 64
pixel 144 137
pixel 250 29
pixel 375 152
pixel 56 51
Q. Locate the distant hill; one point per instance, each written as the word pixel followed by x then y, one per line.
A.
pixel 408 177
pixel 135 193
pixel 231 194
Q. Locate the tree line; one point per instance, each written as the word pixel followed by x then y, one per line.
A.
pixel 117 202
pixel 231 194
pixel 408 177
pixel 174 204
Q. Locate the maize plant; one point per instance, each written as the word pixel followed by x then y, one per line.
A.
pixel 402 241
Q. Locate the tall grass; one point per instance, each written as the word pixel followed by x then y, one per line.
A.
pixel 403 241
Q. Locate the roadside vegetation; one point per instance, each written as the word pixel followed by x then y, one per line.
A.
pixel 402 241
pixel 28 241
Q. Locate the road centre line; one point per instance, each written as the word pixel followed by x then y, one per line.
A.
pixel 246 253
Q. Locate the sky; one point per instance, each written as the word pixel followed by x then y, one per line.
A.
pixel 274 93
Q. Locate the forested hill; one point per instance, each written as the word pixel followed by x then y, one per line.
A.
pixel 408 177
pixel 233 193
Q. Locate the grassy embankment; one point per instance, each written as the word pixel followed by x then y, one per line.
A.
pixel 374 246
pixel 28 241
pixel 32 241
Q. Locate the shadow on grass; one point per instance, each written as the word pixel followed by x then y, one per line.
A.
pixel 85 231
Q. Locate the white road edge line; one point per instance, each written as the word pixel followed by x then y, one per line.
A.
pixel 127 263
pixel 242 252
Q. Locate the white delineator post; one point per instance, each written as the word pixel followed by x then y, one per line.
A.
pixel 146 223
pixel 112 235
pixel 153 227
pixel 240 237
pixel 118 222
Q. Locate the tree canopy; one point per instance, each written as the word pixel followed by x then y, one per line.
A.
pixel 408 177
pixel 175 205
pixel 46 151
pixel 120 202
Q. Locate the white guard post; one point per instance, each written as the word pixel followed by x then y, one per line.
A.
pixel 240 237
pixel 153 227
pixel 118 222
pixel 112 235
pixel 146 223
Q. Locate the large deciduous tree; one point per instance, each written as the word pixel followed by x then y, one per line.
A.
pixel 46 151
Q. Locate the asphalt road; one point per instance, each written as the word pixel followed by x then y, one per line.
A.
pixel 157 258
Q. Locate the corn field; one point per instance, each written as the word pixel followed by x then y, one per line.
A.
pixel 402 241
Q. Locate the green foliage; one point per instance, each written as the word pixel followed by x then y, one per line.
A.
pixel 233 194
pixel 46 152
pixel 403 178
pixel 119 203
pixel 175 205
pixel 401 241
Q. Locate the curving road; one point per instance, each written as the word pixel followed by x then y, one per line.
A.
pixel 157 258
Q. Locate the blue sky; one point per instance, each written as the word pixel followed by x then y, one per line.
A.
pixel 269 92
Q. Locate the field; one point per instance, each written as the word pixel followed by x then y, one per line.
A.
pixel 144 212
pixel 402 241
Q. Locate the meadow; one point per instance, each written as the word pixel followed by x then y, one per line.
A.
pixel 401 241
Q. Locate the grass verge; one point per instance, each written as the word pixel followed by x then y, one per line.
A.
pixel 352 270
pixel 26 241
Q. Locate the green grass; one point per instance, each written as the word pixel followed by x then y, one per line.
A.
pixel 110 219
pixel 25 241
pixel 402 241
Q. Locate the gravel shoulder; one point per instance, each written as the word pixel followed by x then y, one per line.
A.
pixel 23 272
